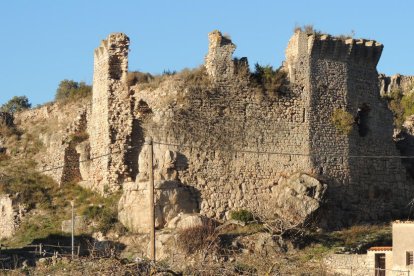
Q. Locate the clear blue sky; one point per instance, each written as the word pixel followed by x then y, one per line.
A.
pixel 46 41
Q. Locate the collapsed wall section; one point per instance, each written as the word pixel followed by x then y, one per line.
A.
pixel 110 123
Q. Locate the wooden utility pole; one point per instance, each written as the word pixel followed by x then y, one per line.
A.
pixel 151 198
pixel 73 228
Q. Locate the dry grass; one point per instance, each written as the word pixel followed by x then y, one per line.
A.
pixel 197 238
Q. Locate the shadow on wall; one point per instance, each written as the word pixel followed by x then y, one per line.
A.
pixel 137 142
pixel 405 144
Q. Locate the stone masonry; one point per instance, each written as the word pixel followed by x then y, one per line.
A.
pixel 110 124
pixel 342 74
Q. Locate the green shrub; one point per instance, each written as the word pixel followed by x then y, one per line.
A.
pixel 72 90
pixel 343 121
pixel 401 104
pixel 269 79
pixel 244 269
pixel 137 77
pixel 16 104
pixel 79 137
pixel 242 215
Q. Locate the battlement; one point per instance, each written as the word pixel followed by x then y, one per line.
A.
pixel 354 51
pixel 114 43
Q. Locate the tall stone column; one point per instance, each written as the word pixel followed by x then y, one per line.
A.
pixel 110 124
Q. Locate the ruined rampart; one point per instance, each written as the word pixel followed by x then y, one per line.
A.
pixel 222 142
pixel 110 123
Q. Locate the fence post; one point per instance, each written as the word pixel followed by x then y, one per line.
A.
pixel 73 229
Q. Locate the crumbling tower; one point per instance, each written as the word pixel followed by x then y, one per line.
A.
pixel 337 73
pixel 219 60
pixel 110 123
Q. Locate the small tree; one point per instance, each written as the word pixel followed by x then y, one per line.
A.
pixel 269 79
pixel 69 90
pixel 16 104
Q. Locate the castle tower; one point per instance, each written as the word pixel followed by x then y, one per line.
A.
pixel 110 122
pixel 340 74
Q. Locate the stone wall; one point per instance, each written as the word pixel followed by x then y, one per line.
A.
pixel 349 264
pixel 225 125
pixel 233 144
pixel 110 124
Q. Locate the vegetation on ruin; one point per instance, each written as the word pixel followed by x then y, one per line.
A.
pixel 69 90
pixel 192 78
pixel 308 29
pixel 137 77
pixel 270 80
pixel 16 104
pixel 401 104
pixel 343 121
pixel 79 137
pixel 242 215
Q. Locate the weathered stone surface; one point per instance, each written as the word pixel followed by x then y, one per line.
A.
pixel 394 83
pixel 110 123
pixel 58 127
pixel 11 214
pixel 171 198
pixel 219 60
pixel 166 247
pixel 298 197
pixel 80 225
pixel 183 221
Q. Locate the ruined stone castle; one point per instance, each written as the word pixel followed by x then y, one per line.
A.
pixel 220 143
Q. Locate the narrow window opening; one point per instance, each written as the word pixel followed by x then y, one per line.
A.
pixel 362 119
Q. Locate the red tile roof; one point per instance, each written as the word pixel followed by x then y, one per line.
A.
pixel 380 248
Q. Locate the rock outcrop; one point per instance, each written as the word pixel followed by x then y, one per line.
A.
pixel 171 196
pixel 298 197
pixel 394 83
pixel 11 214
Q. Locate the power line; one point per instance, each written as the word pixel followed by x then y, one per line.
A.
pixel 289 154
